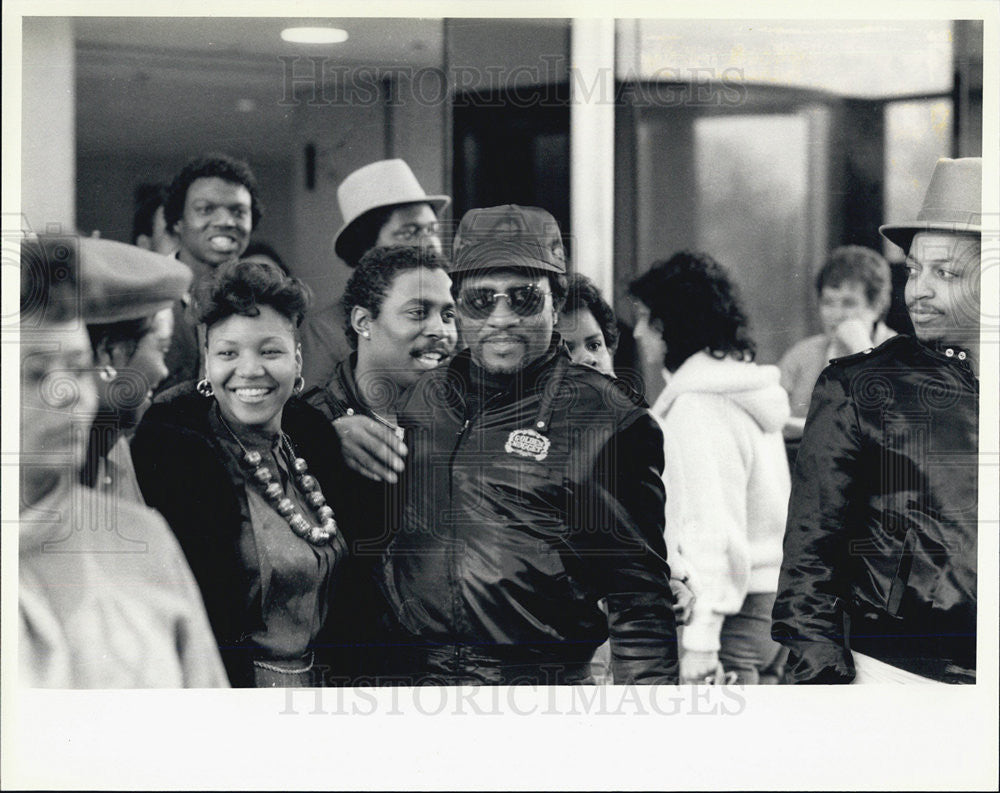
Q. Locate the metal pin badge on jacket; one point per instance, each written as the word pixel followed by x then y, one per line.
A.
pixel 528 443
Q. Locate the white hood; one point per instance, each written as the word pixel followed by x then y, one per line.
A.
pixel 754 388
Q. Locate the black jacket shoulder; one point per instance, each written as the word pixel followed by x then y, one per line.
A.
pixel 615 391
pixel 898 349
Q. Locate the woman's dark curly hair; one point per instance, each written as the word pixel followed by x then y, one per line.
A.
pixel 582 295
pixel 371 281
pixel 241 287
pixel 697 307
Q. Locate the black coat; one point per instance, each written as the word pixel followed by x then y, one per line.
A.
pixel 512 530
pixel 178 462
pixel 364 516
pixel 880 545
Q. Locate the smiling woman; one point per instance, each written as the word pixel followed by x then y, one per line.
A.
pixel 226 463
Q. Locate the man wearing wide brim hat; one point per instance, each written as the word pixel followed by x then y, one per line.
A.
pixel 952 204
pixel 550 498
pixel 382 204
pixel 878 582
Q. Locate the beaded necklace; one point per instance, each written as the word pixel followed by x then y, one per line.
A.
pixel 284 506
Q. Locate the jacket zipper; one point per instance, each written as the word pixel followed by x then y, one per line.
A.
pixel 452 561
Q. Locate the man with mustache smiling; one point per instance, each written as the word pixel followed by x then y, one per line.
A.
pixel 399 318
pixel 400 322
pixel 531 491
pixel 878 581
pixel 211 208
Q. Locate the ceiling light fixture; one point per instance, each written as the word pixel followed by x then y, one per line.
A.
pixel 314 35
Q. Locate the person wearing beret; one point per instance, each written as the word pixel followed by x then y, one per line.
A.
pixel 382 205
pixel 878 579
pixel 106 599
pixel 242 470
pixel 130 324
pixel 149 226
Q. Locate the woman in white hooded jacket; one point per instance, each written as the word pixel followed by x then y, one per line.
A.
pixel 726 473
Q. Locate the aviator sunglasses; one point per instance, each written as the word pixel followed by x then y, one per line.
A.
pixel 479 302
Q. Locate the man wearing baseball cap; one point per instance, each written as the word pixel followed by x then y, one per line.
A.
pixel 878 581
pixel 532 490
pixel 383 205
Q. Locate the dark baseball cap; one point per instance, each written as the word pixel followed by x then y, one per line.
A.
pixel 508 236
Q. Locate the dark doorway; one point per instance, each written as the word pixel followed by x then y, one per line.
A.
pixel 512 147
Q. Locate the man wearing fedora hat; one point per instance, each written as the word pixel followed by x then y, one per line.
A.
pixel 383 205
pixel 878 581
pixel 532 490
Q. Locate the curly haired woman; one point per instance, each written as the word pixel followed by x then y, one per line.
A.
pixel 726 477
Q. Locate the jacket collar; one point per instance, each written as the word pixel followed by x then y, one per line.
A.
pixel 951 352
pixel 466 371
pixel 342 390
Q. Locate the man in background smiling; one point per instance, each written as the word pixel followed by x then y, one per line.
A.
pixel 212 206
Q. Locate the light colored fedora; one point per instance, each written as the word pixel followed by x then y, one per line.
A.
pixel 953 202
pixel 380 184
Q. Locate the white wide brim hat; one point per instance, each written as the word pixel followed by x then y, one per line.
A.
pixel 380 184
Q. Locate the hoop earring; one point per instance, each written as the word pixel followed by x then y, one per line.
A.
pixel 299 386
pixel 204 387
pixel 108 373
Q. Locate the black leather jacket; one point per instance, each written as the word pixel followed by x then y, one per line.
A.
pixel 356 637
pixel 880 545
pixel 524 504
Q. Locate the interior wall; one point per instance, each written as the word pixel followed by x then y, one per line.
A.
pixel 47 124
pixel 345 137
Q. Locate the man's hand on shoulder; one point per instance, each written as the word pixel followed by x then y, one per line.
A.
pixel 371 448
